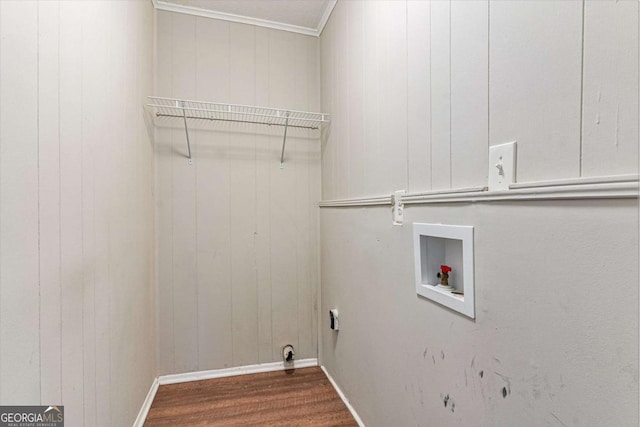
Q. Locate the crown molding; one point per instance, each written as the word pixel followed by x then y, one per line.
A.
pixel 189 10
pixel 325 16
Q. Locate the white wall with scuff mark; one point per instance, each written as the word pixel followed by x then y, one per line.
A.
pixel 418 91
pixel 556 317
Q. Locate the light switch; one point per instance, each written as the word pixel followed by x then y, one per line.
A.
pixel 398 207
pixel 502 166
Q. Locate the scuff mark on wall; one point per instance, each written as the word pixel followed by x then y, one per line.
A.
pixel 448 402
pixel 617 124
pixel 506 390
pixel 558 419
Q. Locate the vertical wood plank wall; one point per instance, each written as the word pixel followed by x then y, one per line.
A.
pixel 77 323
pixel 560 78
pixel 535 74
pixel 237 236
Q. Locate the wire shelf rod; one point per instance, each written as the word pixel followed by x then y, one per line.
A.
pixel 236 113
pixel 239 121
pixel 186 131
pixel 284 141
pixel 242 113
pixel 282 110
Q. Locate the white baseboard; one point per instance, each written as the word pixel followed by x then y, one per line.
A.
pixel 144 410
pixel 230 372
pixel 343 397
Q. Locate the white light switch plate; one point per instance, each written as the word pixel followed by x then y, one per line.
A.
pixel 502 166
pixel 398 207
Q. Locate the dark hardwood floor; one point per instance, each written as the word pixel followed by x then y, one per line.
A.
pixel 300 397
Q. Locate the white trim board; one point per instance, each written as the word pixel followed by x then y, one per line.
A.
pixel 239 370
pixel 190 10
pixel 343 397
pixel 325 16
pixel 365 201
pixel 146 405
pixel 612 187
pixel 612 179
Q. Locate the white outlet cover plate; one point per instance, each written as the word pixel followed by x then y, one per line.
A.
pixel 502 166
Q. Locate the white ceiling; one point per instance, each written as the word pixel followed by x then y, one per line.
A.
pixel 302 16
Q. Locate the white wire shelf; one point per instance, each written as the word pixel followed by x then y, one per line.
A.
pixel 214 111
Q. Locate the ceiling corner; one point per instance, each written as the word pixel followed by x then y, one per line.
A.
pixel 325 16
pixel 192 9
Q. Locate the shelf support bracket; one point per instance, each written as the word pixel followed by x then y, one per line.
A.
pixel 186 131
pixel 284 140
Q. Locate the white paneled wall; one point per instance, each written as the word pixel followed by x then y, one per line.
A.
pixel 237 236
pixel 610 95
pixel 19 289
pixel 77 322
pixel 420 90
pixel 416 104
pixel 535 85
pixel 469 93
pixel 440 84
pixel 418 99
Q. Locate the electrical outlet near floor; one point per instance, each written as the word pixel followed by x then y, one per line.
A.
pixel 502 166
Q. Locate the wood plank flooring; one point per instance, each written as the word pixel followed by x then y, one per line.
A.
pixel 300 397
